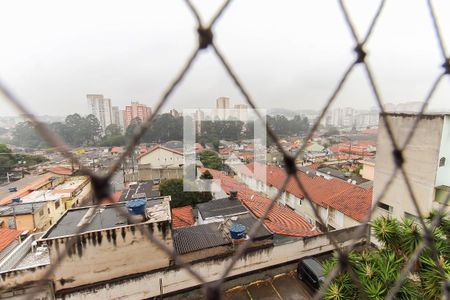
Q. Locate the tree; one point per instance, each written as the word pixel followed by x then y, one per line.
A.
pixel 174 188
pixel 112 130
pixel 379 269
pixel 91 130
pixel 210 159
pixel 331 131
pixel 25 135
pixel 8 160
pixel 133 127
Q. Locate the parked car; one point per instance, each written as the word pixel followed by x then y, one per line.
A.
pixel 156 181
pixel 310 271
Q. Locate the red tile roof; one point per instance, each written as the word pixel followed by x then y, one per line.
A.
pixel 7 236
pixel 117 150
pixel 355 202
pixel 182 217
pixel 60 170
pixel 347 198
pixel 280 220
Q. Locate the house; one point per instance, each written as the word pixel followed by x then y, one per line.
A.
pixel 324 193
pixel 427 165
pixel 25 216
pixel 281 221
pixel 160 157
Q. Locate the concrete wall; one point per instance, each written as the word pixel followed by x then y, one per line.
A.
pixel 101 255
pixel 368 170
pixel 146 173
pixel 148 285
pixel 443 173
pixel 421 162
pixel 38 221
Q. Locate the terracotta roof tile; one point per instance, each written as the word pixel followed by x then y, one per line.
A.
pixel 158 147
pixel 280 220
pixel 347 198
pixel 7 236
pixel 182 217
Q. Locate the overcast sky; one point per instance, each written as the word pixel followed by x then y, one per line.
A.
pixel 289 54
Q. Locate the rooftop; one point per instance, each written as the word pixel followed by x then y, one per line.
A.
pixel 7 236
pixel 221 207
pixel 20 208
pixel 319 189
pixel 280 220
pixel 139 189
pixel 23 186
pixel 199 237
pixel 190 239
pixel 60 170
pixel 182 217
pixel 105 217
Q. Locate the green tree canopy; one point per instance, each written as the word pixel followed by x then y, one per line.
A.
pixel 210 159
pixel 174 188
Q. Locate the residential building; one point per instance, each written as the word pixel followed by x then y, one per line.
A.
pixel 33 216
pixel 161 157
pixel 241 112
pixel 117 117
pixel 340 204
pixel 101 108
pixel 136 110
pixel 222 106
pixel 425 163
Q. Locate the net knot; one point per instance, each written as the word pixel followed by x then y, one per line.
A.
pixel 360 54
pixel 446 66
pixel 205 37
pixel 291 168
pixel 398 157
pixel 101 187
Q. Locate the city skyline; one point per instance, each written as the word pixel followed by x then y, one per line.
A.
pixel 124 54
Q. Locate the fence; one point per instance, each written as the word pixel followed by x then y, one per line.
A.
pixel 206 40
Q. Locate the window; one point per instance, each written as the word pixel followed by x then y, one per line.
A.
pixel 48 210
pixel 57 204
pixel 12 223
pixel 442 162
pixel 385 207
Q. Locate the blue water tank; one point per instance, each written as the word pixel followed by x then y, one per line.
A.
pixel 12 189
pixel 136 206
pixel 237 231
pixel 16 200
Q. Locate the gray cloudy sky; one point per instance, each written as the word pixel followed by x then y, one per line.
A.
pixel 289 54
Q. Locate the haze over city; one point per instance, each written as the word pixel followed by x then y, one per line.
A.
pixel 286 55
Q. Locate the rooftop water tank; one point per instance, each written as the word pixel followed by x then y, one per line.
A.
pixel 237 231
pixel 12 189
pixel 16 200
pixel 136 206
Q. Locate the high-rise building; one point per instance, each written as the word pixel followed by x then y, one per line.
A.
pixel 136 110
pixel 222 104
pixel 241 112
pixel 117 117
pixel 101 108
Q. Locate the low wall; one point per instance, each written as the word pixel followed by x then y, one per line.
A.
pixel 146 285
